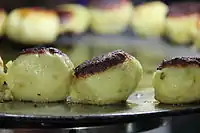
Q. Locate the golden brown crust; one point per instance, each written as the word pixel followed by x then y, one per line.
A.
pixel 180 62
pixel 24 12
pixel 101 63
pixel 181 9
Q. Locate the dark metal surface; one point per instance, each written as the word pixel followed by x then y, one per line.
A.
pixel 117 128
pixel 141 105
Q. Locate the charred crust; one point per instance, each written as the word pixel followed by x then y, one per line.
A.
pixel 55 51
pixel 41 50
pixel 101 63
pixel 180 62
pixel 183 9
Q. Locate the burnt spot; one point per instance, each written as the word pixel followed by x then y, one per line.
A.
pixel 39 94
pixel 162 76
pixel 41 50
pixel 180 62
pixel 180 9
pixel 101 63
pixel 194 80
pixel 54 51
pixel 35 105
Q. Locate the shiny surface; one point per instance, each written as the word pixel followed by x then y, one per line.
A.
pixel 140 105
pixel 119 128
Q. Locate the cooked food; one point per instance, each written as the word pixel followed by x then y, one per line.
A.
pixel 196 35
pixel 5 93
pixel 73 18
pixel 2 74
pixel 181 22
pixel 32 26
pixel 40 75
pixel 176 81
pixel 110 17
pixel 148 19
pixel 3 16
pixel 106 79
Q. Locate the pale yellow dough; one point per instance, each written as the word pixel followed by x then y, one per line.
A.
pixel 40 78
pixel 148 19
pixel 181 30
pixel 111 21
pixel 111 86
pixel 32 26
pixel 177 85
pixel 78 22
pixel 3 17
pixel 2 74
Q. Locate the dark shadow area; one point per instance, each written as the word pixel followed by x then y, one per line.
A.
pixel 186 124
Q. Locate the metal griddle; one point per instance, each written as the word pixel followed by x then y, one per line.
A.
pixel 140 106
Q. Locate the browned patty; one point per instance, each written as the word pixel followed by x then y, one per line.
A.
pixel 180 62
pixel 183 8
pixel 41 50
pixel 101 63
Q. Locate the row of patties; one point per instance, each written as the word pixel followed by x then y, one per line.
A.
pixel 48 75
pixel 39 25
pixel 179 22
